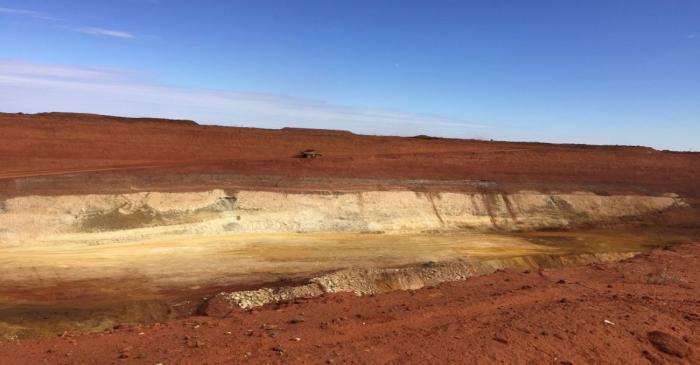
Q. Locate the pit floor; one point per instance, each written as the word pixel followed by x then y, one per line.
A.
pixel 46 290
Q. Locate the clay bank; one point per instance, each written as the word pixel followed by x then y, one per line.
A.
pixel 99 219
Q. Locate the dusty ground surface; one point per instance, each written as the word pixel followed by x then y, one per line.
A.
pixel 645 310
pixel 58 153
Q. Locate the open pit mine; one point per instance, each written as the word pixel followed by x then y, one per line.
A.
pixel 108 222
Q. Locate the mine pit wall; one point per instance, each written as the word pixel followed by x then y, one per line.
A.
pixel 101 219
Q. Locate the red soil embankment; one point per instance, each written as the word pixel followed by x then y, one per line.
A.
pixel 640 311
pixel 60 143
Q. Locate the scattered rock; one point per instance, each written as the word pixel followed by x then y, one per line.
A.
pixel 500 339
pixel 668 343
pixel 278 349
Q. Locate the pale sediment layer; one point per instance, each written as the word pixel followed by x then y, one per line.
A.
pixel 363 281
pixel 101 219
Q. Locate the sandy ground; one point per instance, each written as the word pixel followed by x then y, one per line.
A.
pixel 601 313
pixel 188 261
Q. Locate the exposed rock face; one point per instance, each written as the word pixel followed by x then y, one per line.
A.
pixel 363 281
pixel 407 211
pixel 36 219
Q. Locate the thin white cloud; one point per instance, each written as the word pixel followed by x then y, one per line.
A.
pixel 39 88
pixel 105 32
pixel 25 12
pixel 23 68
pixel 96 31
pixel 19 11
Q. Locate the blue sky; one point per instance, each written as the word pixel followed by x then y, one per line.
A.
pixel 603 72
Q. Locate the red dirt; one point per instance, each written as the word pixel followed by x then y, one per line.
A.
pixel 548 317
pixel 101 151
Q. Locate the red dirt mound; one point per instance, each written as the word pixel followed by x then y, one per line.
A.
pixel 60 144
